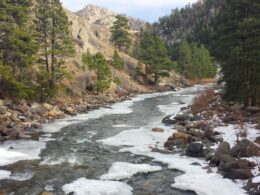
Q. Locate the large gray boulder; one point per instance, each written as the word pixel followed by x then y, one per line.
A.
pixel 245 148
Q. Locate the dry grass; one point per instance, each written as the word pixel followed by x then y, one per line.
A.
pixel 201 102
pixel 201 81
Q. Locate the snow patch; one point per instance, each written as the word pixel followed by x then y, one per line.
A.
pixel 121 126
pixel 139 137
pixel 122 170
pixel 13 151
pixel 85 186
pixel 5 174
pixel 117 108
pixel 195 178
pixel 22 176
pixel 256 179
pixel 229 133
pixel 170 109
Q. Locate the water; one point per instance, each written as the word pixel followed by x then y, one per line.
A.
pixel 74 152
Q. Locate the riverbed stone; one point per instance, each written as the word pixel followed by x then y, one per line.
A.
pixel 223 148
pixel 70 111
pixel 168 120
pixel 22 108
pixel 196 133
pixel 196 125
pixel 180 128
pixel 252 187
pixel 3 109
pixel 195 150
pixel 157 129
pixel 182 116
pixel 238 174
pixel 245 148
pixel 257 140
pixel 172 144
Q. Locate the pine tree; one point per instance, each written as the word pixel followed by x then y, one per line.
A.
pixel 99 64
pixel 120 33
pixel 185 59
pixel 117 60
pixel 153 53
pixel 237 49
pixel 17 37
pixel 55 39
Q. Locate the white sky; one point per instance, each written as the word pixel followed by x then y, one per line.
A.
pixel 149 10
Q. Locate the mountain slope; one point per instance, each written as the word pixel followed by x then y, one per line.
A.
pixel 90 29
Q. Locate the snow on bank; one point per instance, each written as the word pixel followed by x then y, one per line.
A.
pixel 256 179
pixel 84 186
pixel 122 170
pixel 5 174
pixel 195 178
pixel 229 133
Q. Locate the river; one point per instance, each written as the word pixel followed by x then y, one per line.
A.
pixel 86 146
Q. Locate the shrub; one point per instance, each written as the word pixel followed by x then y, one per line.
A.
pixel 201 102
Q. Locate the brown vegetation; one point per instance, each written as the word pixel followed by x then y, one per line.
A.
pixel 201 102
pixel 201 81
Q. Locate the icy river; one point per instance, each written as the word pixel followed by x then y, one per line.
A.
pixel 108 152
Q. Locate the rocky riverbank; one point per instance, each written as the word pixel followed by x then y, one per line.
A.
pixel 224 134
pixel 20 119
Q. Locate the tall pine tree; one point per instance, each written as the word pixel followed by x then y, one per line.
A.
pixel 120 33
pixel 55 39
pixel 237 48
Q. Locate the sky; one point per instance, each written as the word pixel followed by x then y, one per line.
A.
pixel 148 10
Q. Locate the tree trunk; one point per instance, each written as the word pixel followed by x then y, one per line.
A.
pixel 146 74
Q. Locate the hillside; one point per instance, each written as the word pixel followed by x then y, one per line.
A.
pixel 91 32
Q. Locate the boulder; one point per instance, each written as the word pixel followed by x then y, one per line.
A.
pixel 156 129
pixel 257 140
pixel 181 136
pixel 4 131
pixel 196 117
pixel 182 116
pixel 245 148
pixel 70 111
pixel 172 144
pixel 196 133
pixel 252 186
pixel 223 148
pixel 180 128
pixel 22 108
pixel 225 162
pixel 196 125
pixel 168 120
pixel 195 150
pixel 253 109
pixel 35 125
pixel 37 109
pixel 238 174
pixel 3 109
pixel 47 106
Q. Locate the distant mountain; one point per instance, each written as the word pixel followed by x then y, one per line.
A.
pixel 102 16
